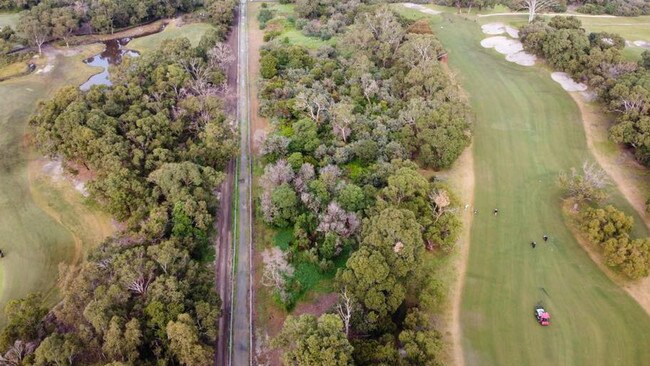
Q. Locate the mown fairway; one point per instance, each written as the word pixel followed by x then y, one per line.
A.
pixel 527 130
pixel 34 241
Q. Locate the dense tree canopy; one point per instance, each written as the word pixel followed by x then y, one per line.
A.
pixel 351 127
pixel 61 19
pixel 311 341
pixel 610 229
pixel 156 143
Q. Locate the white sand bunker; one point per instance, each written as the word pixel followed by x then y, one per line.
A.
pixel 493 28
pixel 567 83
pixel 509 46
pixel 503 45
pixel 46 69
pixel 522 58
pixel 512 32
pixel 512 48
pixel 54 169
pixel 491 42
pixel 643 44
pixel 422 8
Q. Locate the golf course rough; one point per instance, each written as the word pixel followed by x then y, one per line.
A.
pixel 527 130
pixel 34 241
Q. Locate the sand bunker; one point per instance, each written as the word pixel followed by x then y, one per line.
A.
pixel 522 58
pixel 500 28
pixel 509 47
pixel 503 45
pixel 493 28
pixel 643 44
pixel 422 8
pixel 567 83
pixel 491 42
pixel 46 69
pixel 54 169
pixel 512 48
pixel 512 32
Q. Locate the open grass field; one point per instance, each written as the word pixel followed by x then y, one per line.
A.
pixel 9 19
pixel 282 13
pixel 193 32
pixel 528 130
pixel 40 225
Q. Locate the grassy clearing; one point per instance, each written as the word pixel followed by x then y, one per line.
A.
pixel 34 241
pixel 527 131
pixel 193 32
pixel 9 19
pixel 282 13
pixel 12 70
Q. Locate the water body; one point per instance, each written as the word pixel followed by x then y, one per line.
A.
pixel 112 55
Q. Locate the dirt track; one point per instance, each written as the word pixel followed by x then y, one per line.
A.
pixel 224 240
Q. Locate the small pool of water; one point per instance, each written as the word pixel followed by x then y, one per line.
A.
pixel 112 55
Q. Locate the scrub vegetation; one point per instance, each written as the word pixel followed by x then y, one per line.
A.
pixel 352 125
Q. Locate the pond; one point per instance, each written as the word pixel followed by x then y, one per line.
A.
pixel 112 55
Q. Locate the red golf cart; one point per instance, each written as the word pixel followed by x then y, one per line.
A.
pixel 543 318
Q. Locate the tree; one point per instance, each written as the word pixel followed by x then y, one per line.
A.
pixel 103 15
pixel 535 6
pixel 285 203
pixel 308 341
pixel 588 185
pixel 23 319
pixel 369 279
pixel 345 309
pixel 342 120
pixel 277 271
pixel 58 349
pixel 184 342
pixel 17 353
pixel 268 66
pixel 421 344
pixel 34 25
pixel 352 198
pixel 603 224
pixel 64 23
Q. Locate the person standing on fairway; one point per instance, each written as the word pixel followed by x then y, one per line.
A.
pixel 545 237
pixel 533 244
pixel 496 211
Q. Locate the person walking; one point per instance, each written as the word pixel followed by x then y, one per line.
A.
pixel 533 244
pixel 496 211
pixel 545 237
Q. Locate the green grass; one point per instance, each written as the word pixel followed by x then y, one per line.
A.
pixel 35 242
pixel 283 238
pixel 295 36
pixel 9 19
pixel 527 131
pixel 193 32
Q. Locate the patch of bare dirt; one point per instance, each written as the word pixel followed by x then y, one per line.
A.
pixel 463 177
pixel 629 176
pixel 259 125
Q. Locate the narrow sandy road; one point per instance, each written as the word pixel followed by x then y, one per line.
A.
pixel 224 263
pixel 225 235
pixel 242 335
